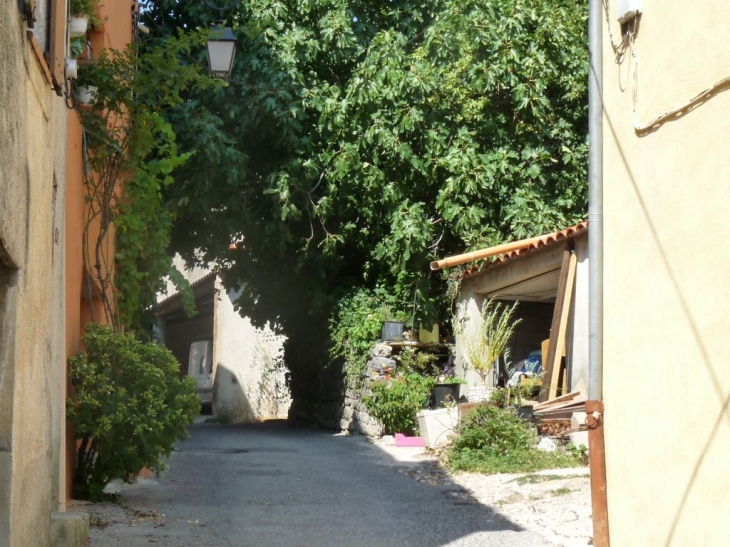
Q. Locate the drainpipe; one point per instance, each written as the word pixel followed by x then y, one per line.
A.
pixel 594 405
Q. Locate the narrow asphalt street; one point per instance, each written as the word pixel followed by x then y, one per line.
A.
pixel 274 484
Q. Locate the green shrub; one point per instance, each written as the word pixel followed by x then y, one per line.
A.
pixel 420 362
pixel 495 440
pixel 494 430
pixel 501 397
pixel 395 403
pixel 129 407
pixel 354 328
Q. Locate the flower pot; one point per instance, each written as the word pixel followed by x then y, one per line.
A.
pixel 478 393
pixel 78 25
pixel 436 426
pixel 392 331
pixel 443 394
pixel 86 95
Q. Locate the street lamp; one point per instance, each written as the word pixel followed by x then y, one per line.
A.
pixel 221 46
pixel 221 51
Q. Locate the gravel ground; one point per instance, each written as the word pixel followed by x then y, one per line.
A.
pixel 556 504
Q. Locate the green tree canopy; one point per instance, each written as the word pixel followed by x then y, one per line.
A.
pixel 358 140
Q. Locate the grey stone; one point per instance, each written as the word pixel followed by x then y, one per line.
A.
pixel 69 529
pixel 546 444
pixel 381 350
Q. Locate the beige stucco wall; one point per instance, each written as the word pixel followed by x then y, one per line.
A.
pixel 667 295
pixel 32 157
pixel 250 383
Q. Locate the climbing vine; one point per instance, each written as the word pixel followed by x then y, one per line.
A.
pixel 130 152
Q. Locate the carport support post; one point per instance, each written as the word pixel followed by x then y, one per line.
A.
pixel 594 406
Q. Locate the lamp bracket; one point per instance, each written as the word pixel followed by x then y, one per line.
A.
pixel 220 9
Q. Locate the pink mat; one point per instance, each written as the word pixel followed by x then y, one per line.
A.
pixel 402 440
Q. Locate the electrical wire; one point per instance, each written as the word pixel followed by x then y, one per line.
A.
pixel 675 113
pixel 628 43
pixel 619 50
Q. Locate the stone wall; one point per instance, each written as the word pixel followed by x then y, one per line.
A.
pixel 341 407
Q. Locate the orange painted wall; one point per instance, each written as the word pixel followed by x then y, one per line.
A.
pixel 116 34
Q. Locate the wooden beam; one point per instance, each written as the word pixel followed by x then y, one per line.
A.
pixel 564 315
pixel 562 399
pixel 548 359
pixel 452 261
pixel 560 325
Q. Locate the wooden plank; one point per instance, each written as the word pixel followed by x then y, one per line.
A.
pixel 554 327
pixel 566 297
pixel 39 57
pixel 57 44
pixel 559 407
pixel 563 398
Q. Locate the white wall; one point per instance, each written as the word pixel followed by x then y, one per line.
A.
pixel 250 382
pixel 577 336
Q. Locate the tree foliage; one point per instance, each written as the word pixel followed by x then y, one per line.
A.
pixel 358 140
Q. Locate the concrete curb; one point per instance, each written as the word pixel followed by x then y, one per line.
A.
pixel 69 529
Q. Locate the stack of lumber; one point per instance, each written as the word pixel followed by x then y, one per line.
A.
pixel 553 428
pixel 560 408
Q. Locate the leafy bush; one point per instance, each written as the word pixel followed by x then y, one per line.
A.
pixel 494 440
pixel 395 403
pixel 129 407
pixel 355 326
pixel 421 362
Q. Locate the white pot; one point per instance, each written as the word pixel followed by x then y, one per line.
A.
pixel 77 26
pixel 437 426
pixel 86 95
pixel 71 69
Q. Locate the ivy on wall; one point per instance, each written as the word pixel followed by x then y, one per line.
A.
pixel 130 153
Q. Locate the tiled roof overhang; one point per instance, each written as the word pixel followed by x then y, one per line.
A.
pixel 531 246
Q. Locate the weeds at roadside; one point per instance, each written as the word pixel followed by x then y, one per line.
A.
pixel 493 440
pixel 95 520
pixel 222 417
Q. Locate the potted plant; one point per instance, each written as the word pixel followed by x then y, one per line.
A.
pixel 446 391
pixel 485 338
pixel 82 12
pixel 393 325
pixel 85 90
